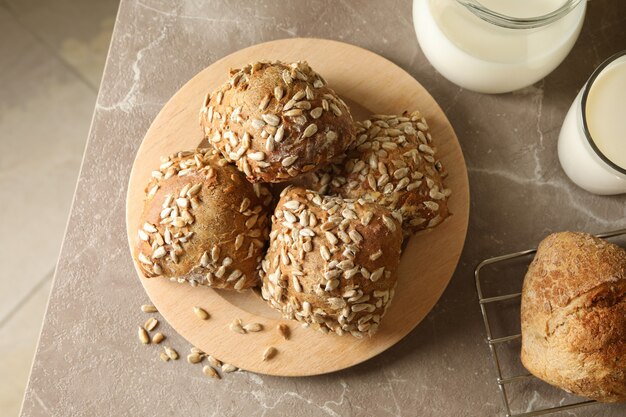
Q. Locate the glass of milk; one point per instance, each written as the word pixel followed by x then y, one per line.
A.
pixel 497 46
pixel 592 142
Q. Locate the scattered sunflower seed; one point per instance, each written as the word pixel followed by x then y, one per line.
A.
pixel 171 353
pixel 158 338
pixel 209 371
pixel 227 367
pixel 236 327
pixel 284 331
pixel 269 353
pixel 151 323
pixel 253 327
pixel 149 308
pixel 143 335
pixel 163 356
pixel 214 361
pixel 194 358
pixel 201 313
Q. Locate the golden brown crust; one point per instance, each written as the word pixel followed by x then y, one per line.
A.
pixel 203 223
pixel 574 316
pixel 332 263
pixel 276 121
pixel 393 163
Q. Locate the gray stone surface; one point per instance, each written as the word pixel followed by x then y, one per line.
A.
pixel 89 362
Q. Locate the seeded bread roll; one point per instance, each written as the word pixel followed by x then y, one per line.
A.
pixel 276 121
pixel 393 163
pixel 332 263
pixel 573 316
pixel 203 223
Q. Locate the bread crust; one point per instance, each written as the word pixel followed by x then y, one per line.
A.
pixel 573 316
pixel 202 223
pixel 332 263
pixel 276 121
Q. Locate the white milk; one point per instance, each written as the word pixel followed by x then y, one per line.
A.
pixel 584 154
pixel 484 57
pixel 606 112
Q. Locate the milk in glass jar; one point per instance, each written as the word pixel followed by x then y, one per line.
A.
pixel 497 46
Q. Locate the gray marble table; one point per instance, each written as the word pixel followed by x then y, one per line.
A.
pixel 89 362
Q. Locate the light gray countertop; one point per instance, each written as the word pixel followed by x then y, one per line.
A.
pixel 89 361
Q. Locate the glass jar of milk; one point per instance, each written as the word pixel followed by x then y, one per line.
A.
pixel 592 142
pixel 497 46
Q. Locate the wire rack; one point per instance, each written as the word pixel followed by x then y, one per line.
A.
pixel 502 381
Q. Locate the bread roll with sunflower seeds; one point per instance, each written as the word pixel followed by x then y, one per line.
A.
pixel 276 121
pixel 202 223
pixel 393 162
pixel 332 263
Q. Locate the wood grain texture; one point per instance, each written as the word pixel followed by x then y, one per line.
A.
pixel 369 84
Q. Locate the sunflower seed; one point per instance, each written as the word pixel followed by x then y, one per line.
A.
pixel 304 105
pixel 194 189
pixel 284 330
pixel 335 109
pixel 355 236
pixel 349 214
pixel 241 282
pixel 164 357
pixel 431 205
pixel 150 324
pixel 182 202
pixel 331 238
pixel 298 95
pixel 389 223
pixel 278 92
pixel 215 253
pixel 143 335
pixel 269 353
pixel 292 205
pixel 235 326
pixel 290 217
pixel 158 338
pixel 331 285
pixel 213 361
pixel 239 242
pixel 171 353
pixel 310 130
pixel 253 327
pixel 149 228
pixel 377 274
pixel 209 371
pixel 143 235
pixel 278 136
pixel 201 313
pixel 365 220
pixel 288 161
pixel 228 368
pixel 271 119
pixel 257 156
pixel 316 113
pixel 234 275
pixel 149 308
pixel 194 358
pixel 264 103
pixel 325 252
pixel 258 123
pixel 376 255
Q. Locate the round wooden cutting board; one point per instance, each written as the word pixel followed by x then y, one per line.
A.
pixel 369 84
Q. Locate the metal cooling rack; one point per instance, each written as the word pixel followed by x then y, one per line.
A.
pixel 503 382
